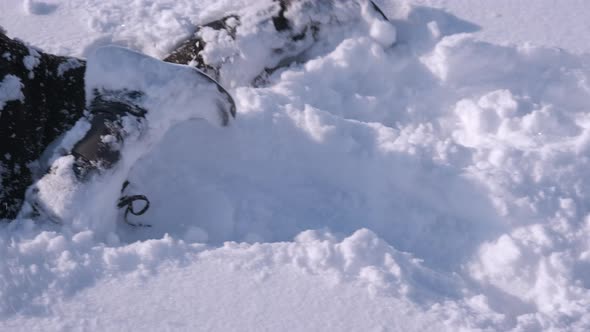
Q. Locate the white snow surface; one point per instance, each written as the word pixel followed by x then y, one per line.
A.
pixel 441 183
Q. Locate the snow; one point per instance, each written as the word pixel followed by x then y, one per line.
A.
pixel 67 66
pixel 10 89
pixel 31 61
pixel 437 184
pixel 237 277
pixel 255 47
pixel 549 23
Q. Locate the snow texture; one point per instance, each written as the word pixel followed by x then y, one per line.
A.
pixel 440 183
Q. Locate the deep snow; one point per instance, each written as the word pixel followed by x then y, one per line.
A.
pixel 439 184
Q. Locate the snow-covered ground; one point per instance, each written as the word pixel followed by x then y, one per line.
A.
pixel 439 184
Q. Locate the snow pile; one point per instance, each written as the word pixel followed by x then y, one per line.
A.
pixel 237 286
pixel 439 184
pixel 41 267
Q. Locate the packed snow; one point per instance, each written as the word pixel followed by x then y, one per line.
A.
pixel 418 174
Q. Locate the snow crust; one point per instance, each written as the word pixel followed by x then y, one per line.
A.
pixel 437 184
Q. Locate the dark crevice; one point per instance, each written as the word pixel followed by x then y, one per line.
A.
pixel 378 10
pixel 280 22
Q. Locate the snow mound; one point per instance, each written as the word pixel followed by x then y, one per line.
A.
pixel 471 157
pixel 442 180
